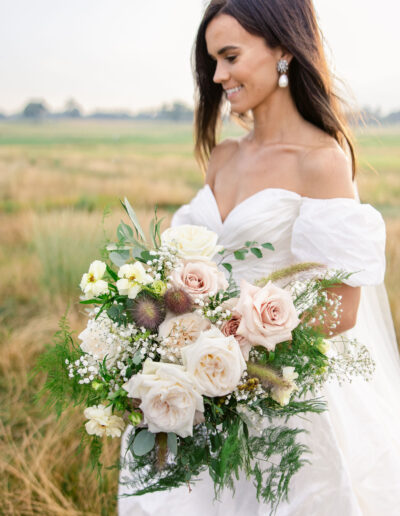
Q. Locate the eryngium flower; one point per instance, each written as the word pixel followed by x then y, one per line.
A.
pixel 145 310
pixel 178 301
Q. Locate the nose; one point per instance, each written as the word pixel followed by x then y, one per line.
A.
pixel 221 73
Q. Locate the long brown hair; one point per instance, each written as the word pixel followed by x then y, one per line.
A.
pixel 293 26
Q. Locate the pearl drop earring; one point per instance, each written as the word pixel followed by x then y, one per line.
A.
pixel 283 67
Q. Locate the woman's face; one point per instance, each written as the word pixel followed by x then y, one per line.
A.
pixel 245 65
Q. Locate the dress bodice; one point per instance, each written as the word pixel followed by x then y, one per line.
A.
pixel 339 232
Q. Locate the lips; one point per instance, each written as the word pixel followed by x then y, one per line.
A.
pixel 231 92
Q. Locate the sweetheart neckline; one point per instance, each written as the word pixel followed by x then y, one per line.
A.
pixel 269 189
pixel 245 200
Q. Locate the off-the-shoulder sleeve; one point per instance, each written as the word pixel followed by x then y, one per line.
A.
pixel 182 216
pixel 342 234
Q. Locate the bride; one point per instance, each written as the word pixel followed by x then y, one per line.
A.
pixel 290 181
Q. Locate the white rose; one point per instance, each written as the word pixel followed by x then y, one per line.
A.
pixel 282 394
pixel 102 421
pixel 92 284
pixel 192 241
pixel 182 330
pixel 215 361
pixel 169 398
pixel 133 276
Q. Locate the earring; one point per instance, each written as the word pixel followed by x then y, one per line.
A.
pixel 283 67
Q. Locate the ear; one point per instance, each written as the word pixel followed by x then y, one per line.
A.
pixel 285 55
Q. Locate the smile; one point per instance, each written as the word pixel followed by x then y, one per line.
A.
pixel 232 92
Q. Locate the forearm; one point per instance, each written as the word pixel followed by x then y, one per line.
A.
pixel 342 317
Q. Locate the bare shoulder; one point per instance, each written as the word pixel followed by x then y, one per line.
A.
pixel 326 172
pixel 220 154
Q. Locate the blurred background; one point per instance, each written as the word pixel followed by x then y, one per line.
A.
pixel 96 103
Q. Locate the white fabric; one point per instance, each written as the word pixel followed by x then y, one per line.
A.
pixel 355 446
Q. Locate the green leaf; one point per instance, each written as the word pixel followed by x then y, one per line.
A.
pixel 172 443
pixel 119 258
pixel 227 266
pixel 240 255
pixel 132 215
pixel 143 443
pixel 256 252
pixel 268 246
pixel 146 256
pixel 113 274
pixel 249 243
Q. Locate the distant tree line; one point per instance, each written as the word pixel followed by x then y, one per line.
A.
pixel 176 112
pixel 38 110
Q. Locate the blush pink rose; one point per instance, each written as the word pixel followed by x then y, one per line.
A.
pixel 268 315
pixel 230 327
pixel 199 277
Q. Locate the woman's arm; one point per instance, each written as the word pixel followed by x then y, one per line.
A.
pixel 350 300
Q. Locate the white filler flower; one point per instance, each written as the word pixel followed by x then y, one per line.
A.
pixel 92 284
pixel 192 241
pixel 133 276
pixel 169 397
pixel 103 422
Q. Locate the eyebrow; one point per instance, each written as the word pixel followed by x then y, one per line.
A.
pixel 225 49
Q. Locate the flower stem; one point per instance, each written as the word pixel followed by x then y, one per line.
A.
pixel 161 450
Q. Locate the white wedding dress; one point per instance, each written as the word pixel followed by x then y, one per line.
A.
pixel 355 461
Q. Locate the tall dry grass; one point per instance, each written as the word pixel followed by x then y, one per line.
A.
pixel 52 196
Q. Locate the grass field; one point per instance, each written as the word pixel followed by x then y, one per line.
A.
pixel 59 189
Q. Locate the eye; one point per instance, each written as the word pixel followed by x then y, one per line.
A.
pixel 231 59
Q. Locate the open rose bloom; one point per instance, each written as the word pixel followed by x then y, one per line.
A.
pixel 268 315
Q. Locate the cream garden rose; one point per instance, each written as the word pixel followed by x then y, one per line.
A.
pixel 92 284
pixel 192 241
pixel 169 397
pixel 215 361
pixel 103 422
pixel 268 314
pixel 132 278
pixel 182 330
pixel 199 277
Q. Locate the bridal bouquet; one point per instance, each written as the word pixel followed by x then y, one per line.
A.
pixel 202 371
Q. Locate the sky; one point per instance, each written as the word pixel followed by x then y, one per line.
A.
pixel 135 54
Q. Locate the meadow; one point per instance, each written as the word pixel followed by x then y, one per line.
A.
pixel 60 185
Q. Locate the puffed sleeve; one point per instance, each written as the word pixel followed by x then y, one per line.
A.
pixel 342 234
pixel 182 216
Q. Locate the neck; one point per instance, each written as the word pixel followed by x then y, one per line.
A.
pixel 276 119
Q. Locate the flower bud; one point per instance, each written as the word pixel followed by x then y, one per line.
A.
pixel 135 418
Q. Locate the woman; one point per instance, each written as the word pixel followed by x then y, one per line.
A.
pixel 290 181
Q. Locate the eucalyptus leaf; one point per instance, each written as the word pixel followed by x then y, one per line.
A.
pixel 256 252
pixel 126 232
pixel 132 215
pixel 137 358
pixel 119 258
pixel 172 442
pixel 143 443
